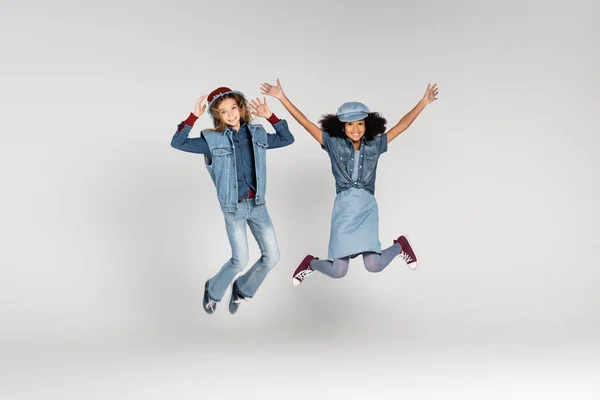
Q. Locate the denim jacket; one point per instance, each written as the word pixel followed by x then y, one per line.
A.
pixel 341 154
pixel 220 163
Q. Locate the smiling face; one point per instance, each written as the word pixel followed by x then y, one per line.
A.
pixel 355 130
pixel 228 111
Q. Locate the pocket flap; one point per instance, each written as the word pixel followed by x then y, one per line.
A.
pixel 221 152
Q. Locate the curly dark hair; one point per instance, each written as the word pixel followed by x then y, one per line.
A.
pixel 374 125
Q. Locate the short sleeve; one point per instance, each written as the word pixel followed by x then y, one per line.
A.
pixel 326 141
pixel 383 145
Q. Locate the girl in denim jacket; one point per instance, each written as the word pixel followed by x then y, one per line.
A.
pixel 354 138
pixel 235 157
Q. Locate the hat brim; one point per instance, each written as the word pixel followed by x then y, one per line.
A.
pixel 217 97
pixel 354 116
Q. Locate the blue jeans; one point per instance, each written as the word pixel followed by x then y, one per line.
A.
pixel 258 219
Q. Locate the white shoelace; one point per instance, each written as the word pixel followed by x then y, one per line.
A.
pixel 241 300
pixel 303 274
pixel 406 257
pixel 211 304
pixel 408 260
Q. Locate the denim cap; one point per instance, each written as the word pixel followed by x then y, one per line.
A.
pixel 352 111
pixel 217 94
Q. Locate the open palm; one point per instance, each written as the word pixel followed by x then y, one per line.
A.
pixel 275 91
pixel 260 109
pixel 199 108
pixel 431 93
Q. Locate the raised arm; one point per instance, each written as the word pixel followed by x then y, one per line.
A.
pixel 282 136
pixel 277 92
pixel 407 120
pixel 181 141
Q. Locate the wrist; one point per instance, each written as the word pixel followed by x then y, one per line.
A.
pixel 191 119
pixel 273 119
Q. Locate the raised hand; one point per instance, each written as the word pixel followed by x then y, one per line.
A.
pixel 199 109
pixel 430 94
pixel 260 109
pixel 275 91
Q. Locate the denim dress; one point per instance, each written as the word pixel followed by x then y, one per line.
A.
pixel 355 216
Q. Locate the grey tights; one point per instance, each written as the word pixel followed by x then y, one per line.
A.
pixel 374 262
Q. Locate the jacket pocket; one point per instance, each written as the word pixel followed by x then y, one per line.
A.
pixel 221 152
pixel 371 161
pixel 343 160
pixel 215 156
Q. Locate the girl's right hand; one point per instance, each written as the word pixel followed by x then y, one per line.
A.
pixel 199 109
pixel 275 91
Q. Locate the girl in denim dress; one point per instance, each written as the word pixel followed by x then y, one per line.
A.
pixel 354 138
pixel 235 157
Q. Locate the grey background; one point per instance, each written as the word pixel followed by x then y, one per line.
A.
pixel 109 233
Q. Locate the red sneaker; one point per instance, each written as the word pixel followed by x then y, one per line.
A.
pixel 302 271
pixel 407 253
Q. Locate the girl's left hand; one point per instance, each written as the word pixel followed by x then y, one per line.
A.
pixel 430 94
pixel 260 109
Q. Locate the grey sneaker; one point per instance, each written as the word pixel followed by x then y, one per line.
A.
pixel 208 304
pixel 236 299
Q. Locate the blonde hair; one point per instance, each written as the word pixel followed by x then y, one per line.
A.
pixel 242 103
